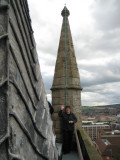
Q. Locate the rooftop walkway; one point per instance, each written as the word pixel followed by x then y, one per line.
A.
pixel 83 148
pixel 71 156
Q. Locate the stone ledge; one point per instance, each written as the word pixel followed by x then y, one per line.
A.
pixel 88 149
pixel 69 87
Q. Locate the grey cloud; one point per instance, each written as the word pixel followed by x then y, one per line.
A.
pixel 106 93
pixel 48 83
pixel 107 44
pixel 109 72
pixel 106 14
pixel 102 41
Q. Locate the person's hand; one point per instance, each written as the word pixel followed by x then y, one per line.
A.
pixel 71 122
pixel 62 107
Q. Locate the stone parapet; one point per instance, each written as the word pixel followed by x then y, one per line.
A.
pixel 89 151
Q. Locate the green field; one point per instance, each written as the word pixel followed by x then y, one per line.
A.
pixel 87 108
pixel 100 107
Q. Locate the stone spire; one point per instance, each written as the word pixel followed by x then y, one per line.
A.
pixel 66 72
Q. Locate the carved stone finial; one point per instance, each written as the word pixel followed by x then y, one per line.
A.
pixel 65 11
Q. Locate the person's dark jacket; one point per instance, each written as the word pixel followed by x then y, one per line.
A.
pixel 65 120
pixel 51 108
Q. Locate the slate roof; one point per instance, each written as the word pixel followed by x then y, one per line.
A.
pixel 112 148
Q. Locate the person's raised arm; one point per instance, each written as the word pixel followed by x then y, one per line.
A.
pixel 61 111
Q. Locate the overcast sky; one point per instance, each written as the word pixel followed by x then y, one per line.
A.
pixel 95 27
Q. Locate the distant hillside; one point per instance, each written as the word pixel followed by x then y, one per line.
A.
pixel 91 107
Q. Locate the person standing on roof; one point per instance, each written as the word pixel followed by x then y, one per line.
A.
pixel 68 121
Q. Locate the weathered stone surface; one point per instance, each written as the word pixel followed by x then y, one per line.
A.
pixel 73 78
pixel 3 81
pixel 3 151
pixel 26 127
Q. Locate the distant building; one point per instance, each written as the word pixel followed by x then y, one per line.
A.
pixel 118 115
pixel 93 130
pixel 87 122
pixel 108 143
pixel 91 118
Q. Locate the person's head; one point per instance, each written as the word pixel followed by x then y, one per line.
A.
pixel 67 109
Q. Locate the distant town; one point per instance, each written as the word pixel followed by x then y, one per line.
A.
pixel 102 123
pixel 109 113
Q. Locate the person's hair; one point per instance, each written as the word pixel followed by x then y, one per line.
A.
pixel 67 107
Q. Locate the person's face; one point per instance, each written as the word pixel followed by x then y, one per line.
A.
pixel 68 110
